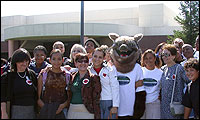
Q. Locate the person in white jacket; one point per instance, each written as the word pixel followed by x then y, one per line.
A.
pixel 109 101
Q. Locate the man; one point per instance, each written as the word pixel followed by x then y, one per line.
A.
pixel 179 43
pixel 187 52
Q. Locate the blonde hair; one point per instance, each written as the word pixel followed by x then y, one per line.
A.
pixel 76 46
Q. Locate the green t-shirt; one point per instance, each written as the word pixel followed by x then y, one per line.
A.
pixel 76 90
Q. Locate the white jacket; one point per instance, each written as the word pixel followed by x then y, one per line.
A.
pixel 109 84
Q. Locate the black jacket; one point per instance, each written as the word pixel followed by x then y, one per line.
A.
pixel 7 86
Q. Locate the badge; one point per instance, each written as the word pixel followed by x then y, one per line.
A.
pixel 85 81
pixel 123 80
pixel 28 81
pixel 104 74
pixel 173 76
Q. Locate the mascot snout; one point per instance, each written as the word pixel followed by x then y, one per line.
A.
pixel 123 48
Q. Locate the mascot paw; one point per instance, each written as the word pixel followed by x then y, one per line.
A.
pixel 139 106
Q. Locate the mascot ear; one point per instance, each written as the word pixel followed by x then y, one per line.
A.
pixel 113 36
pixel 138 37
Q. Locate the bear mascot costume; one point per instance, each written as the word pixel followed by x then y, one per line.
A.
pixel 124 54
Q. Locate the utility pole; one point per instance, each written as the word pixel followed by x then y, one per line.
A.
pixel 82 23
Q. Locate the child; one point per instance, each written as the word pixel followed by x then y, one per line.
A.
pixel 191 97
pixel 54 98
pixel 90 45
pixel 60 45
pixel 39 62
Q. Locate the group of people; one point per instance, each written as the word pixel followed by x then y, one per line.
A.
pixel 85 85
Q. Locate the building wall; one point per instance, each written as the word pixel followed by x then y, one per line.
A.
pixel 145 16
pixel 151 42
pixel 11 21
pixel 155 21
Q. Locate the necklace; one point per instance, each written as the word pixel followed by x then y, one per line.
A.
pixel 22 76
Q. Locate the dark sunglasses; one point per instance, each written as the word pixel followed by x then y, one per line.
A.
pixel 81 61
pixel 165 54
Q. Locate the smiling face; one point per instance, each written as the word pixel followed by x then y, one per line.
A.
pixel 167 56
pixel 192 73
pixel 39 56
pixel 89 46
pixel 21 66
pixel 56 60
pixel 97 59
pixel 60 47
pixel 82 64
pixel 149 61
pixel 75 51
pixel 188 52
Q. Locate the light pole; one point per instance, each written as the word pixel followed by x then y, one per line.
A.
pixel 82 23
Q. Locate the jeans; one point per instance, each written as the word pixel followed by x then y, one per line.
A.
pixel 105 106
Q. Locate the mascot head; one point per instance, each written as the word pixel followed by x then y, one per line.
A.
pixel 125 51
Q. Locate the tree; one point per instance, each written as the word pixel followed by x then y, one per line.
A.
pixel 189 21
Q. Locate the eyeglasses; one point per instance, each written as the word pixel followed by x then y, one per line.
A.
pixel 81 61
pixel 165 54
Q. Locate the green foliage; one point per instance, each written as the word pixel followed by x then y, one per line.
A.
pixel 189 21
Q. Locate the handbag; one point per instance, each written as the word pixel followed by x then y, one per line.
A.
pixel 176 108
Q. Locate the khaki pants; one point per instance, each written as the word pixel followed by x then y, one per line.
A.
pixel 79 111
pixel 152 110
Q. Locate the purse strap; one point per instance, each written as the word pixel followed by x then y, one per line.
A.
pixel 174 85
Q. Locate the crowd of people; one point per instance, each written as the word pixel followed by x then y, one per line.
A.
pixel 85 85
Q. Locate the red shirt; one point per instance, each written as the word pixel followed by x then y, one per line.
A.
pixel 97 70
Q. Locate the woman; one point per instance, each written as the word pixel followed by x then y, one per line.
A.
pixel 167 81
pixel 83 91
pixel 158 52
pixel 152 74
pixel 76 48
pixel 70 66
pixel 109 101
pixel 54 98
pixel 21 83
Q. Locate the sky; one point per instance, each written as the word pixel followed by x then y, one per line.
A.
pixel 27 8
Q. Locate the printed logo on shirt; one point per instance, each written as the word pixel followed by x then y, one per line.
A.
pixel 149 82
pixel 28 81
pixel 104 74
pixel 123 80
